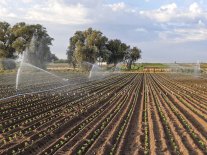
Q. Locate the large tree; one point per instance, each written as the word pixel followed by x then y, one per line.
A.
pixel 118 51
pixel 75 41
pixel 35 40
pixel 18 39
pixel 6 49
pixel 131 56
pixel 86 46
pixel 92 46
pixel 6 40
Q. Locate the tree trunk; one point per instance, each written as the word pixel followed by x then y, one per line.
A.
pixel 74 65
pixel 129 65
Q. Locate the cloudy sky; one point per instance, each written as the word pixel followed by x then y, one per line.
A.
pixel 165 30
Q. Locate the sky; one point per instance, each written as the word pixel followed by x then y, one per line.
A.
pixel 165 30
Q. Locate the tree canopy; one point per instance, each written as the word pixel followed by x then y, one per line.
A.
pixel 92 46
pixel 117 49
pixel 131 56
pixel 86 46
pixel 6 40
pixel 17 38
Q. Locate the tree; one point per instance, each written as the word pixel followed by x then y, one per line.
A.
pixel 6 49
pixel 22 36
pixel 6 39
pixel 18 39
pixel 104 55
pixel 52 58
pixel 38 51
pixel 132 55
pixel 35 40
pixel 86 46
pixel 91 46
pixel 117 49
pixel 78 37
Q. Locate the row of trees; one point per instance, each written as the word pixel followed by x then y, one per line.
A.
pixel 91 46
pixel 17 38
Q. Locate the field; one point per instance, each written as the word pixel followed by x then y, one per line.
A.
pixel 136 113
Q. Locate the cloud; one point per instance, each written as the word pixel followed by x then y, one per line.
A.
pixel 163 14
pixel 117 6
pixel 56 11
pixel 27 1
pixel 178 25
pixel 172 13
pixel 132 22
pixel 5 10
pixel 86 3
pixel 195 8
pixel 6 13
pixel 140 29
pixel 3 2
pixel 201 23
pixel 180 35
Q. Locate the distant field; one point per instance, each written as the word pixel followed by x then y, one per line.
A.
pixel 58 65
pixel 155 67
pixel 136 67
pixel 204 65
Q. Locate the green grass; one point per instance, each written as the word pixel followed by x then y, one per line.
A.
pixel 204 65
pixel 155 65
pixel 141 66
pixel 7 71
